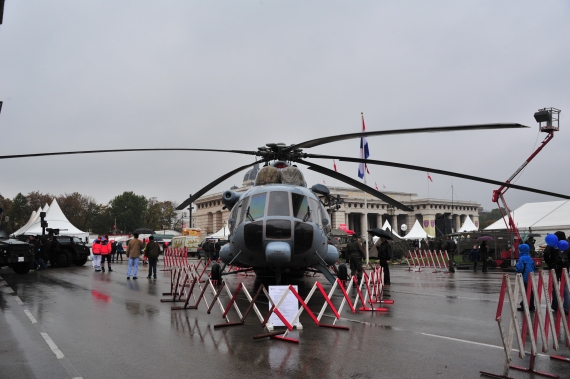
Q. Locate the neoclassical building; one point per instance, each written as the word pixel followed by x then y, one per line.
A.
pixel 210 217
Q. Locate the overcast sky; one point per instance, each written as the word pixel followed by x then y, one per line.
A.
pixel 80 75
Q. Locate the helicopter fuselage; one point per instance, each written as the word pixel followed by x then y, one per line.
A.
pixel 278 227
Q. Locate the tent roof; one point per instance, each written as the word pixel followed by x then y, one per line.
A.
pixel 416 233
pixel 30 220
pixel 548 215
pixel 55 219
pixel 222 233
pixel 387 227
pixel 468 226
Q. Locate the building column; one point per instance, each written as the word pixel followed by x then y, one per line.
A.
pixel 410 221
pixel 394 224
pixel 379 220
pixel 456 222
pixel 339 217
pixel 210 223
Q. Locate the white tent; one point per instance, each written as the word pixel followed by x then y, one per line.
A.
pixel 545 216
pixel 32 218
pixel 167 231
pixel 387 227
pixel 416 233
pixel 468 226
pixel 222 233
pixel 56 220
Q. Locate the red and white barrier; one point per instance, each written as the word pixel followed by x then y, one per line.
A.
pixel 186 286
pixel 423 259
pixel 175 257
pixel 543 323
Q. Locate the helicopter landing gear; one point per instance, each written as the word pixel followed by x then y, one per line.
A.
pixel 342 272
pixel 216 273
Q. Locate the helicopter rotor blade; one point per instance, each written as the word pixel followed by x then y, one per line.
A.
pixel 121 151
pixel 355 183
pixel 436 171
pixel 205 189
pixel 435 129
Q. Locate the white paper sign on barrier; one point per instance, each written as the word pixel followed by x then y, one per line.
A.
pixel 289 307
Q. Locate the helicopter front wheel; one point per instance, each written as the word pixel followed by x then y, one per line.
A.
pixel 342 272
pixel 216 273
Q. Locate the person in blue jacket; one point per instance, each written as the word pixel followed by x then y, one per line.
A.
pixel 524 266
pixel 474 255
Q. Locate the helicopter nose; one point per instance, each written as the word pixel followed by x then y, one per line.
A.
pixel 278 252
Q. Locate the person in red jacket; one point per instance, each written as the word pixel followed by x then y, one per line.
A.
pixel 96 249
pixel 106 253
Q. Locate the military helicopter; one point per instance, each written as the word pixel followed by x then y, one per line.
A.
pixel 280 226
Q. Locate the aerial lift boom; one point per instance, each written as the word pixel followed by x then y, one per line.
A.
pixel 548 122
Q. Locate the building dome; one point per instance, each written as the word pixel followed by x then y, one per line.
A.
pixel 249 177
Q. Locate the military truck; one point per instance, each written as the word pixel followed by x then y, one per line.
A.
pixel 69 250
pixel 16 254
pixel 72 250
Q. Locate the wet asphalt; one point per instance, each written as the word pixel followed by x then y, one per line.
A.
pixel 76 323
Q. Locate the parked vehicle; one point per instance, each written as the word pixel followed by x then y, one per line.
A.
pixel 17 255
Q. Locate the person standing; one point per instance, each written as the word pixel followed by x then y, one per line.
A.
pixel 451 248
pixel 113 250
pixel 484 253
pixel 524 266
pixel 474 255
pixel 558 260
pixel 120 251
pixel 42 256
pixel 152 251
pixel 106 253
pixel 96 249
pixel 134 249
pixel 55 250
pixel 356 253
pixel 209 249
pixel 384 255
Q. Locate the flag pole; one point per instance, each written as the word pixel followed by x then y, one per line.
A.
pixel 365 232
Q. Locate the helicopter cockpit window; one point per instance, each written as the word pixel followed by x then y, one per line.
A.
pixel 256 207
pixel 315 208
pixel 278 203
pixel 241 208
pixel 301 207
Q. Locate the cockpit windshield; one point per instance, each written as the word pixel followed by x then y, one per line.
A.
pixel 256 207
pixel 301 207
pixel 278 204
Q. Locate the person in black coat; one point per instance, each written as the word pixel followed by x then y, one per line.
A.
pixel 451 248
pixel 356 253
pixel 484 253
pixel 384 255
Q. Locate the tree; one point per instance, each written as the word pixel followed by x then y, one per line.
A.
pixel 37 200
pixel 102 222
pixel 487 218
pixel 19 212
pixel 80 210
pixel 129 211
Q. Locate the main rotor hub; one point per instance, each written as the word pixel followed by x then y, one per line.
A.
pixel 280 152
